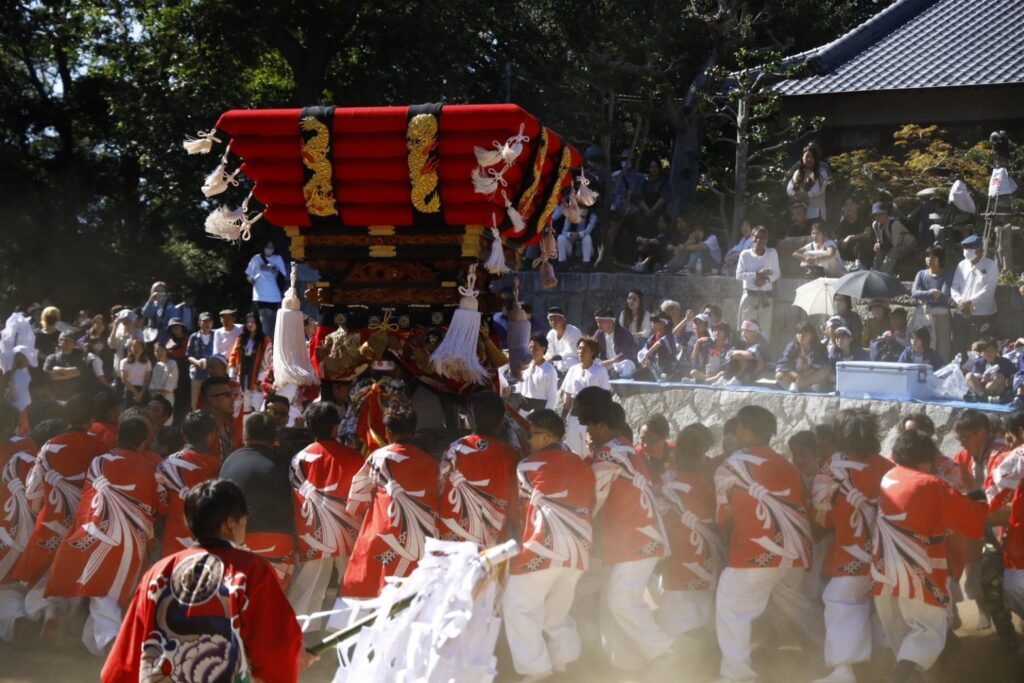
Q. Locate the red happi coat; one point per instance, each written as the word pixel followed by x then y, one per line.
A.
pixel 106 551
pixel 1002 486
pixel 845 499
pixel 762 494
pixel 176 476
pixel 395 494
pixel 557 489
pixel 915 510
pixel 629 524
pixel 16 516
pixel 105 432
pixel 321 476
pixel 55 483
pixel 688 504
pixel 209 613
pixel 479 496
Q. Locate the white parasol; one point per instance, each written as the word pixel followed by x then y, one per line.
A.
pixel 815 297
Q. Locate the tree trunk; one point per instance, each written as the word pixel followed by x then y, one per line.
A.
pixel 739 196
pixel 684 172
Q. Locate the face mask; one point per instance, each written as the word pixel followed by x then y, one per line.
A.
pixel 268 252
pixel 625 164
pixel 970 254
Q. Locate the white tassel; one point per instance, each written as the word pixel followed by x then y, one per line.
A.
pixel 291 357
pixel 231 224
pixel 488 157
pixel 518 224
pixel 201 144
pixel 513 147
pixel 219 179
pixel 495 264
pixel 487 182
pixel 456 356
pixel 587 196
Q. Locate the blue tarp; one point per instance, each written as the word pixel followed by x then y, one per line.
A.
pixel 947 403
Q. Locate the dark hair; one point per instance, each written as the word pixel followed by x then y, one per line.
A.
pixel 259 427
pixel 591 344
pixel 548 420
pixel 759 229
pixel 107 400
pixel 856 430
pixel 803 440
pixel 913 448
pixel 400 422
pixel 824 432
pixel 938 252
pixel 716 311
pixel 78 410
pixel 257 336
pixel 658 424
pixel 540 340
pixel 587 400
pixel 923 421
pixel 164 403
pixel 211 382
pixel 899 313
pixel 276 398
pixel 168 440
pixel 197 427
pixel 692 442
pixel 132 432
pixel 46 430
pixel 9 417
pixel 971 420
pixel 488 410
pixel 805 326
pixel 925 335
pixel 988 343
pixel 627 314
pixel 805 178
pixel 757 420
pixel 321 419
pixel 43 410
pixel 211 503
pixel 1014 423
pixel 619 423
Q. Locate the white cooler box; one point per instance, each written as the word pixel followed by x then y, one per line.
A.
pixel 870 379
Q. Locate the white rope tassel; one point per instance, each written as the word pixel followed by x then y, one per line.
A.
pixel 495 264
pixel 201 144
pixel 219 179
pixel 488 157
pixel 513 147
pixel 486 180
pixel 232 224
pixel 518 224
pixel 291 357
pixel 456 356
pixel 586 195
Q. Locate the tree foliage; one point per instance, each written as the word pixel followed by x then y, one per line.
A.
pixel 97 199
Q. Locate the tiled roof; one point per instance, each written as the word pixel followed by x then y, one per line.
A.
pixel 921 44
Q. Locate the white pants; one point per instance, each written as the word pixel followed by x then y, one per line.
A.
pixel 915 629
pixel 12 608
pixel 102 624
pixel 576 436
pixel 39 607
pixel 308 588
pixel 743 595
pixel 1013 590
pixel 565 248
pixel 847 620
pixel 680 612
pixel 750 311
pixel 535 608
pixel 628 629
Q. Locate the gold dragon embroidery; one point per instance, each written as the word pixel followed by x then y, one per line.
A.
pixel 421 140
pixel 318 192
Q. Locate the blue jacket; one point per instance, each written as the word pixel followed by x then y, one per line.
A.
pixel 625 346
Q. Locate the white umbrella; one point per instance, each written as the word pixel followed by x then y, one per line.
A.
pixel 816 296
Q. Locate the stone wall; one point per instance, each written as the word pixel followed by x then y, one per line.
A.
pixel 795 412
pixel 580 293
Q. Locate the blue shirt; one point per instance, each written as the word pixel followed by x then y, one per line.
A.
pixel 924 283
pixel 930 356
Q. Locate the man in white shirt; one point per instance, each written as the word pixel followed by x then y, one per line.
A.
pixel 973 292
pixel 587 373
pixel 563 339
pixel 540 381
pixel 581 234
pixel 224 336
pixel 262 273
pixel 758 269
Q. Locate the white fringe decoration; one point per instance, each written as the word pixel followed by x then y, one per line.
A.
pixel 488 157
pixel 495 264
pixel 487 181
pixel 586 195
pixel 513 147
pixel 291 357
pixel 201 144
pixel 518 224
pixel 219 179
pixel 231 224
pixel 456 356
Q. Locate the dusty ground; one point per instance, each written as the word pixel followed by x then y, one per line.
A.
pixel 978 658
